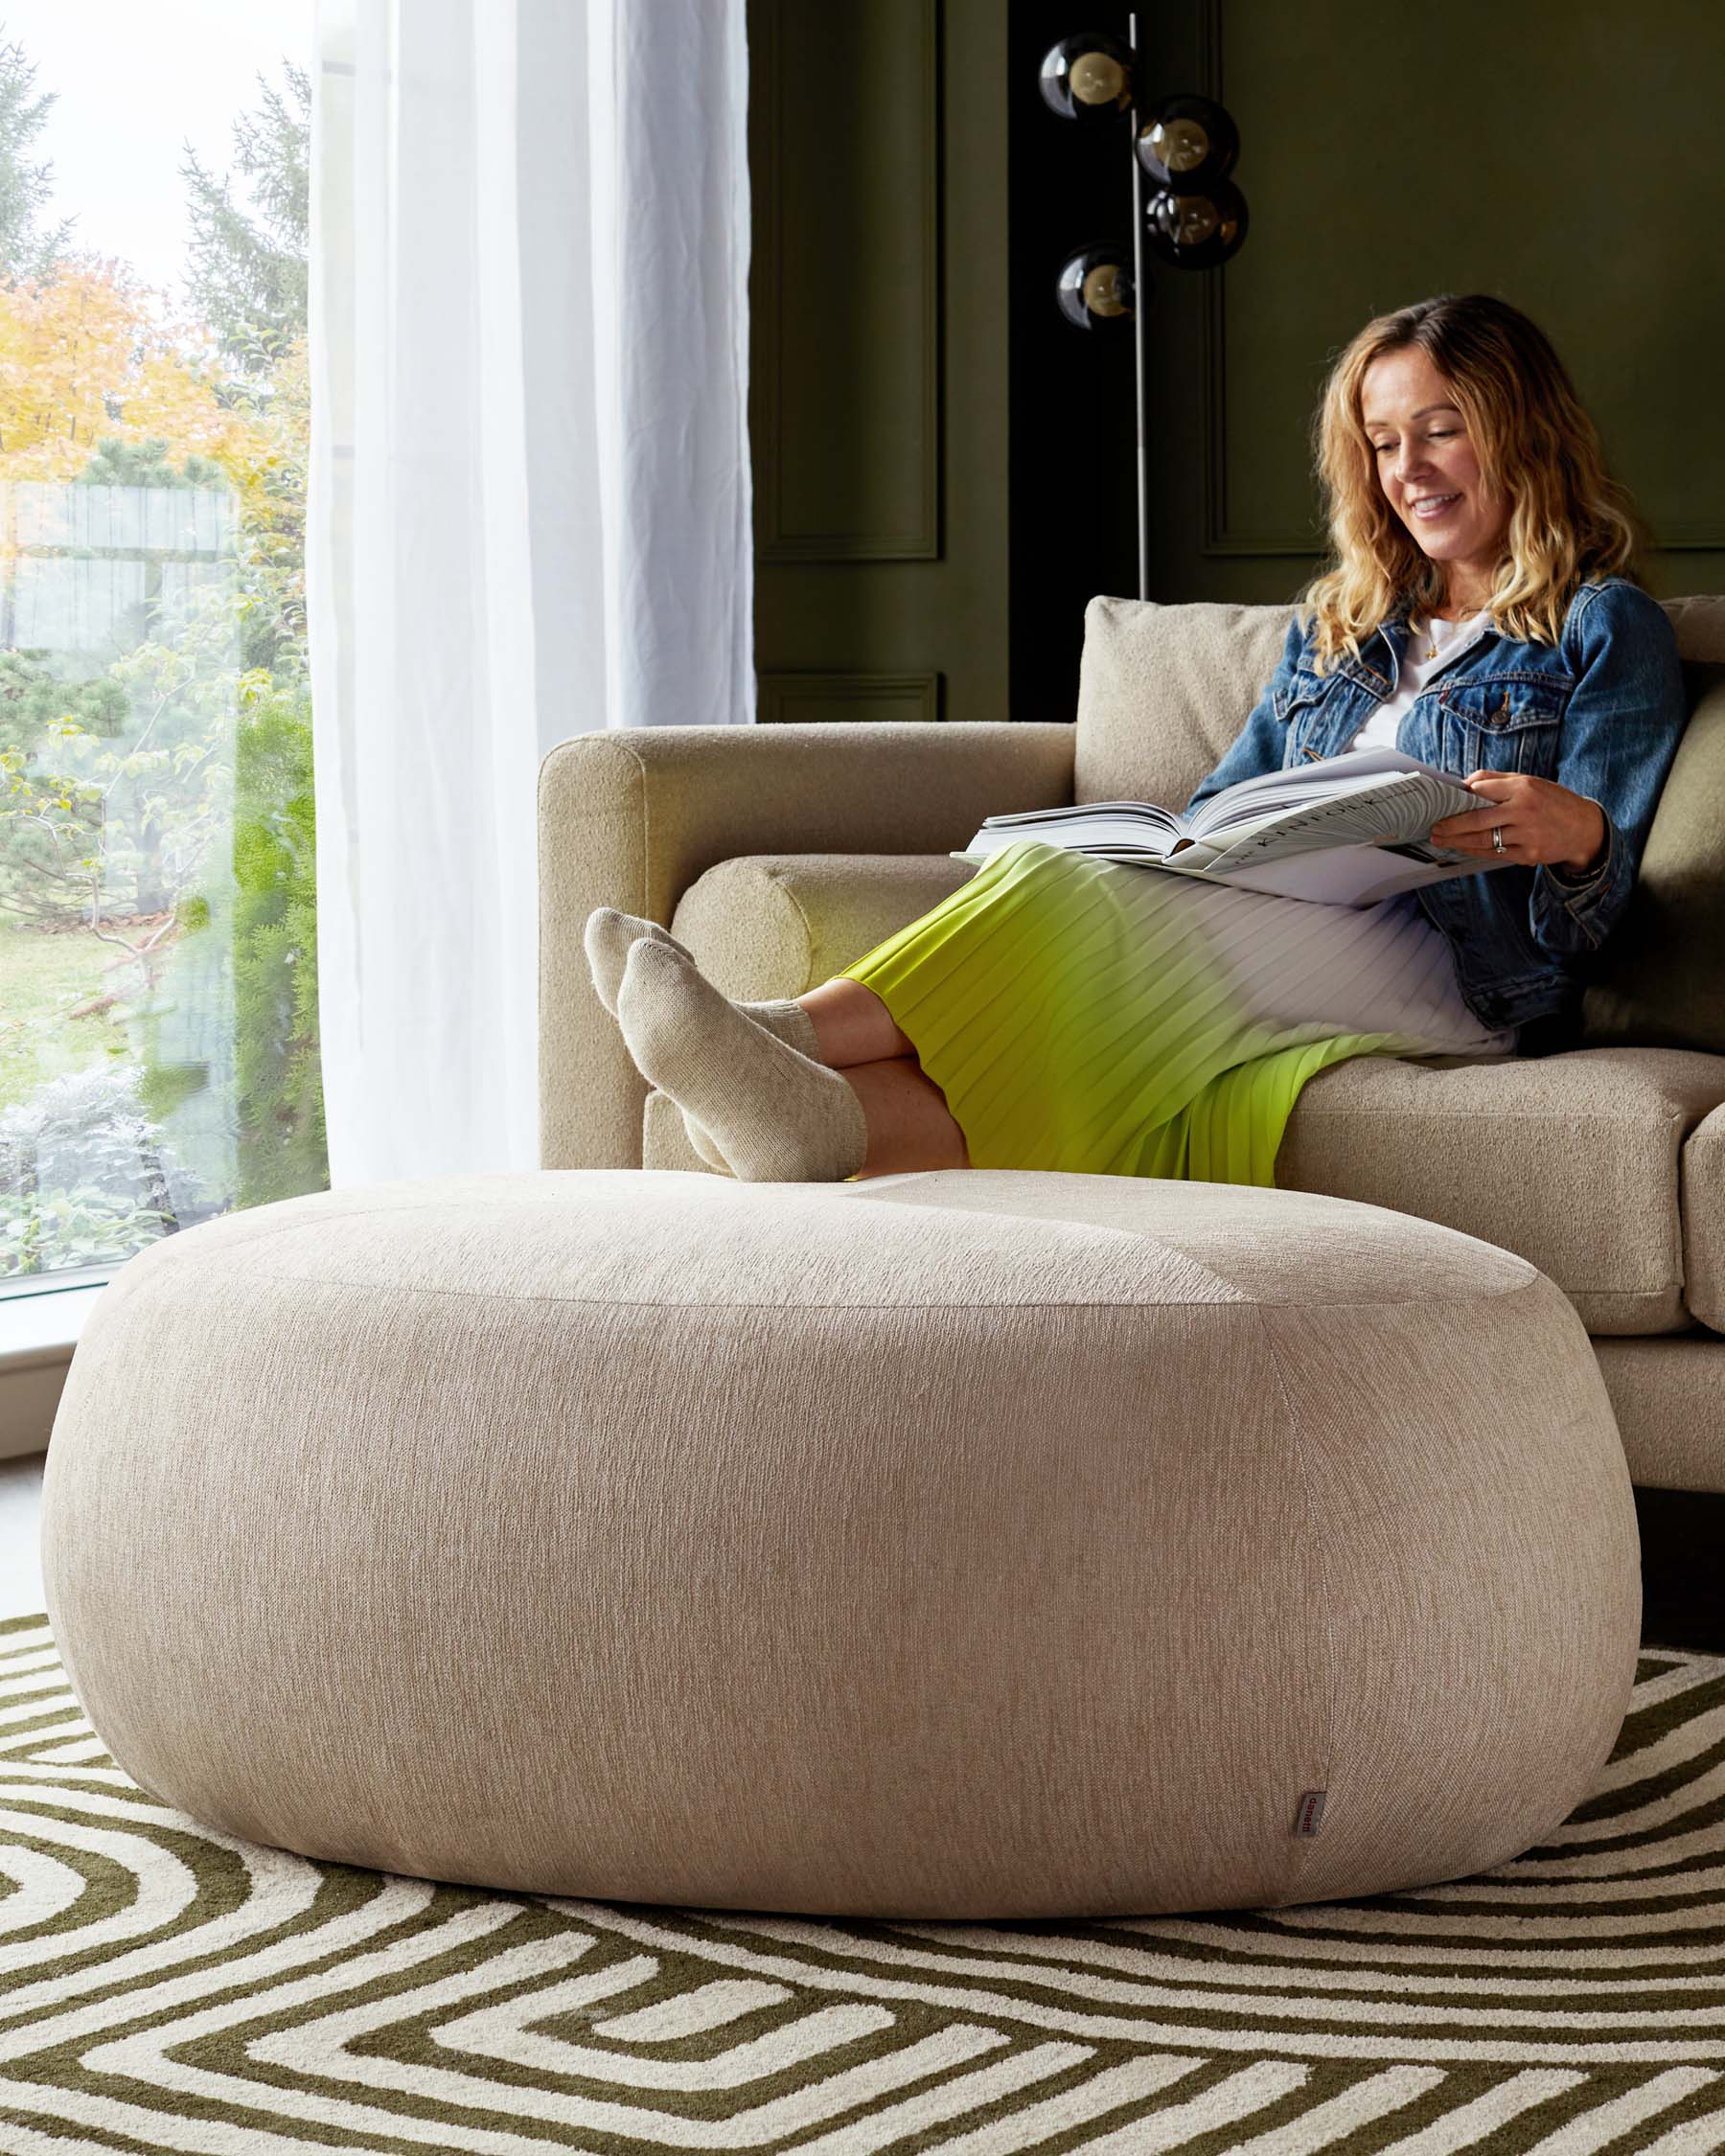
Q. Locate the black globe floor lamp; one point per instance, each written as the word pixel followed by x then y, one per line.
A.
pixel 1186 210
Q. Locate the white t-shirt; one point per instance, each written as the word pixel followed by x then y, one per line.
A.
pixel 1417 667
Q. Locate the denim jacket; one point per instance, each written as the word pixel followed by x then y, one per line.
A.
pixel 1600 712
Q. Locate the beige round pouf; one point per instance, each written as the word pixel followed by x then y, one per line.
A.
pixel 971 1544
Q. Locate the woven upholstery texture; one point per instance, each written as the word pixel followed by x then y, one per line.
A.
pixel 1661 975
pixel 1703 1187
pixel 1163 690
pixel 773 925
pixel 948 1544
pixel 1665 1394
pixel 1571 1160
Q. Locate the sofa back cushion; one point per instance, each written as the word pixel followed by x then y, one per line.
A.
pixel 1162 690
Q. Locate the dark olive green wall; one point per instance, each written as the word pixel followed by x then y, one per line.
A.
pixel 1568 158
pixel 878 358
pixel 945 469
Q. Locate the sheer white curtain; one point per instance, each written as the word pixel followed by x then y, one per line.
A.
pixel 530 507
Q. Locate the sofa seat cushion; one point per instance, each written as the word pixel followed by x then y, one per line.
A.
pixel 1665 1394
pixel 1703 1190
pixel 768 924
pixel 1571 1160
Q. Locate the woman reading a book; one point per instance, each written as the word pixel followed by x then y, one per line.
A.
pixel 1482 614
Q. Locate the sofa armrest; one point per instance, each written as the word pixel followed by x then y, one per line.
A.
pixel 630 818
pixel 1703 1202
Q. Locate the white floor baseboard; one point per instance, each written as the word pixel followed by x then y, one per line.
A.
pixel 37 1333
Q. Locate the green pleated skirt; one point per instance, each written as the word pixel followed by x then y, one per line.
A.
pixel 1100 1020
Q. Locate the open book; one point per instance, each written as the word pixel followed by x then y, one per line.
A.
pixel 1346 830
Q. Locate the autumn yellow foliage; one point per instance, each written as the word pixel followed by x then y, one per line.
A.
pixel 89 354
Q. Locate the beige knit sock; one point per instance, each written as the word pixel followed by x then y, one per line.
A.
pixel 775 1114
pixel 608 939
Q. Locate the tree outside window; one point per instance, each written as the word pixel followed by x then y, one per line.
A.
pixel 158 993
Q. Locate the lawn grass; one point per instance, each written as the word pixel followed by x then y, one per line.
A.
pixel 42 976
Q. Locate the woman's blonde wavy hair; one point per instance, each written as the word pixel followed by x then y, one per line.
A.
pixel 1570 521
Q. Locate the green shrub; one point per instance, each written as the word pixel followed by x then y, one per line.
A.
pixel 282 1150
pixel 83 1180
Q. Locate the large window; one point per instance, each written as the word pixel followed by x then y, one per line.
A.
pixel 158 994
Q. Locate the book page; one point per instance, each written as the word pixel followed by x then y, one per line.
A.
pixel 1305 786
pixel 1137 828
pixel 1400 806
pixel 1365 816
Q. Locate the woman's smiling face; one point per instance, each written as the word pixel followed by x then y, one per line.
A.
pixel 1428 471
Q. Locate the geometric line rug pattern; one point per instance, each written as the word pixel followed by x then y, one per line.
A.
pixel 166 1987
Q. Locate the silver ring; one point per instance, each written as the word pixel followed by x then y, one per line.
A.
pixel 1497 837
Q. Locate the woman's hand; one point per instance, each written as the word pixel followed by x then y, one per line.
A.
pixel 1541 823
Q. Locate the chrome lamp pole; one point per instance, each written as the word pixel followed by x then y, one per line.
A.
pixel 1190 216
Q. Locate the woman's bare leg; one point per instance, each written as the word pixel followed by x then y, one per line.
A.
pixel 852 1024
pixel 910 1125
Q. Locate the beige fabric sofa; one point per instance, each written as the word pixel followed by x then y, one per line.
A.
pixel 779 854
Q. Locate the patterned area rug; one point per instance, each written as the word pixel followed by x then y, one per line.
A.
pixel 166 1987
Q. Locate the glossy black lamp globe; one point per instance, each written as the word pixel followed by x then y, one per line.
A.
pixel 1094 287
pixel 1194 230
pixel 1187 143
pixel 1087 77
